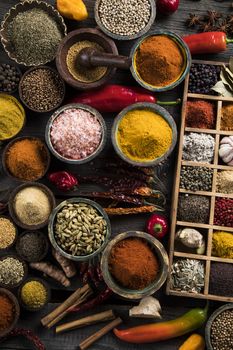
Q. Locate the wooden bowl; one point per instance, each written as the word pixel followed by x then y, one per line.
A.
pixel 20 75
pixel 16 233
pixel 21 94
pixel 6 149
pixel 25 267
pixel 15 303
pixel 12 210
pixel 46 245
pixel 22 7
pixel 72 38
pixel 26 307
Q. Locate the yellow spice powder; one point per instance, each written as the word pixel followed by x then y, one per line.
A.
pixel 222 244
pixel 144 135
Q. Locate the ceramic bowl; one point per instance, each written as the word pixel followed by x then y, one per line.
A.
pixel 8 294
pixel 21 94
pixel 210 322
pixel 48 292
pixel 25 267
pixel 46 245
pixel 160 253
pixel 16 233
pixel 185 52
pixel 46 156
pixel 156 109
pixel 52 223
pixel 72 38
pixel 125 37
pixel 85 108
pixel 11 208
pixel 22 7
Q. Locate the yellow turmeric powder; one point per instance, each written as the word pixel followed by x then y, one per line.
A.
pixel 222 244
pixel 144 135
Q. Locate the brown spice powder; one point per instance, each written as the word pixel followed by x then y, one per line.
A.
pixel 227 117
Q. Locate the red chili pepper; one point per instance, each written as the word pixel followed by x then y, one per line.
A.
pixel 99 299
pixel 114 98
pixel 157 226
pixel 27 333
pixel 209 42
pixel 63 180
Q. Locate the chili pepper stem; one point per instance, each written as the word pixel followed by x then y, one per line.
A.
pixel 228 41
pixel 170 103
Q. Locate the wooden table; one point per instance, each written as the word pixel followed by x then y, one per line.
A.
pixel 171 306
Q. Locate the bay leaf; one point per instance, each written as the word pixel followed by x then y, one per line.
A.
pixel 222 90
pixel 231 63
pixel 226 79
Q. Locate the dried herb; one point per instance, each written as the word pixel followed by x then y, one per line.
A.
pixel 224 87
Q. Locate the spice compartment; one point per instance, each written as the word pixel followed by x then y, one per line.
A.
pixel 189 170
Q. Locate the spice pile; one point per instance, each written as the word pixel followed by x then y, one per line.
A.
pixel 224 182
pixel 133 264
pixel 143 135
pixel 124 17
pixel 222 244
pixel 196 178
pixel 193 208
pixel 80 73
pixel 9 78
pixel 35 36
pixel 202 78
pixel 76 134
pixel 227 117
pixel 221 332
pixel 159 61
pixel 7 233
pixel 42 89
pixel 198 147
pixel 31 246
pixel 27 159
pixel 80 229
pixel 11 271
pixel 221 282
pixel 7 312
pixel 12 116
pixel 34 294
pixel 32 206
pixel 223 213
pixel 200 114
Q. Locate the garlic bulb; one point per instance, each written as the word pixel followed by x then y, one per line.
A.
pixel 226 150
pixel 191 238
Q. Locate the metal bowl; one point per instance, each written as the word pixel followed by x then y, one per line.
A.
pixel 46 245
pixel 183 48
pixel 51 229
pixel 91 156
pixel 210 321
pixel 15 303
pixel 22 7
pixel 154 108
pixel 160 253
pixel 16 233
pixel 125 37
pixel 48 292
pixel 9 145
pixel 25 267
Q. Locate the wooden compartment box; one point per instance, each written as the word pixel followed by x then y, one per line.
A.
pixel 208 228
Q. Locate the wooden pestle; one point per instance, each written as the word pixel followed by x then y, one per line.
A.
pixel 90 57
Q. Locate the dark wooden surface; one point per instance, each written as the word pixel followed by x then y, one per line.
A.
pixel 171 306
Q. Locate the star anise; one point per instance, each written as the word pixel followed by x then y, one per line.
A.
pixel 223 26
pixel 213 16
pixel 193 20
pixel 229 19
pixel 206 27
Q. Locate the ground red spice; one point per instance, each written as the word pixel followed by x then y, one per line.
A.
pixel 200 114
pixel 6 312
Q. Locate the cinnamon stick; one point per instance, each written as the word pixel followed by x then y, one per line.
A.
pixel 86 321
pixel 61 310
pixel 136 210
pixel 94 337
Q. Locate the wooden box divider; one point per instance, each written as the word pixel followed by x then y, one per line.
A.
pixel 209 227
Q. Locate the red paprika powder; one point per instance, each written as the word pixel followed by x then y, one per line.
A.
pixel 200 114
pixel 6 312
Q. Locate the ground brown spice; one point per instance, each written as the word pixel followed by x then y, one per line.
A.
pixel 227 117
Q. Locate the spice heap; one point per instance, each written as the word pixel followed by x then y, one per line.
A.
pixel 42 89
pixel 124 17
pixel 226 150
pixel 11 271
pixel 202 78
pixel 11 116
pixel 200 114
pixel 7 233
pixel 133 264
pixel 224 181
pixel 221 332
pixel 35 36
pixel 221 282
pixel 7 312
pixel 27 159
pixel 198 147
pixel 159 60
pixel 76 134
pixel 188 275
pixel 9 78
pixel 223 213
pixel 196 178
pixel 32 206
pixel 227 117
pixel 193 208
pixel 222 244
pixel 144 135
pixel 34 294
pixel 80 229
pixel 78 72
pixel 31 246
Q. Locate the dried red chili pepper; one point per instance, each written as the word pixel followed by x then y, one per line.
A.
pixel 63 180
pixel 27 333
